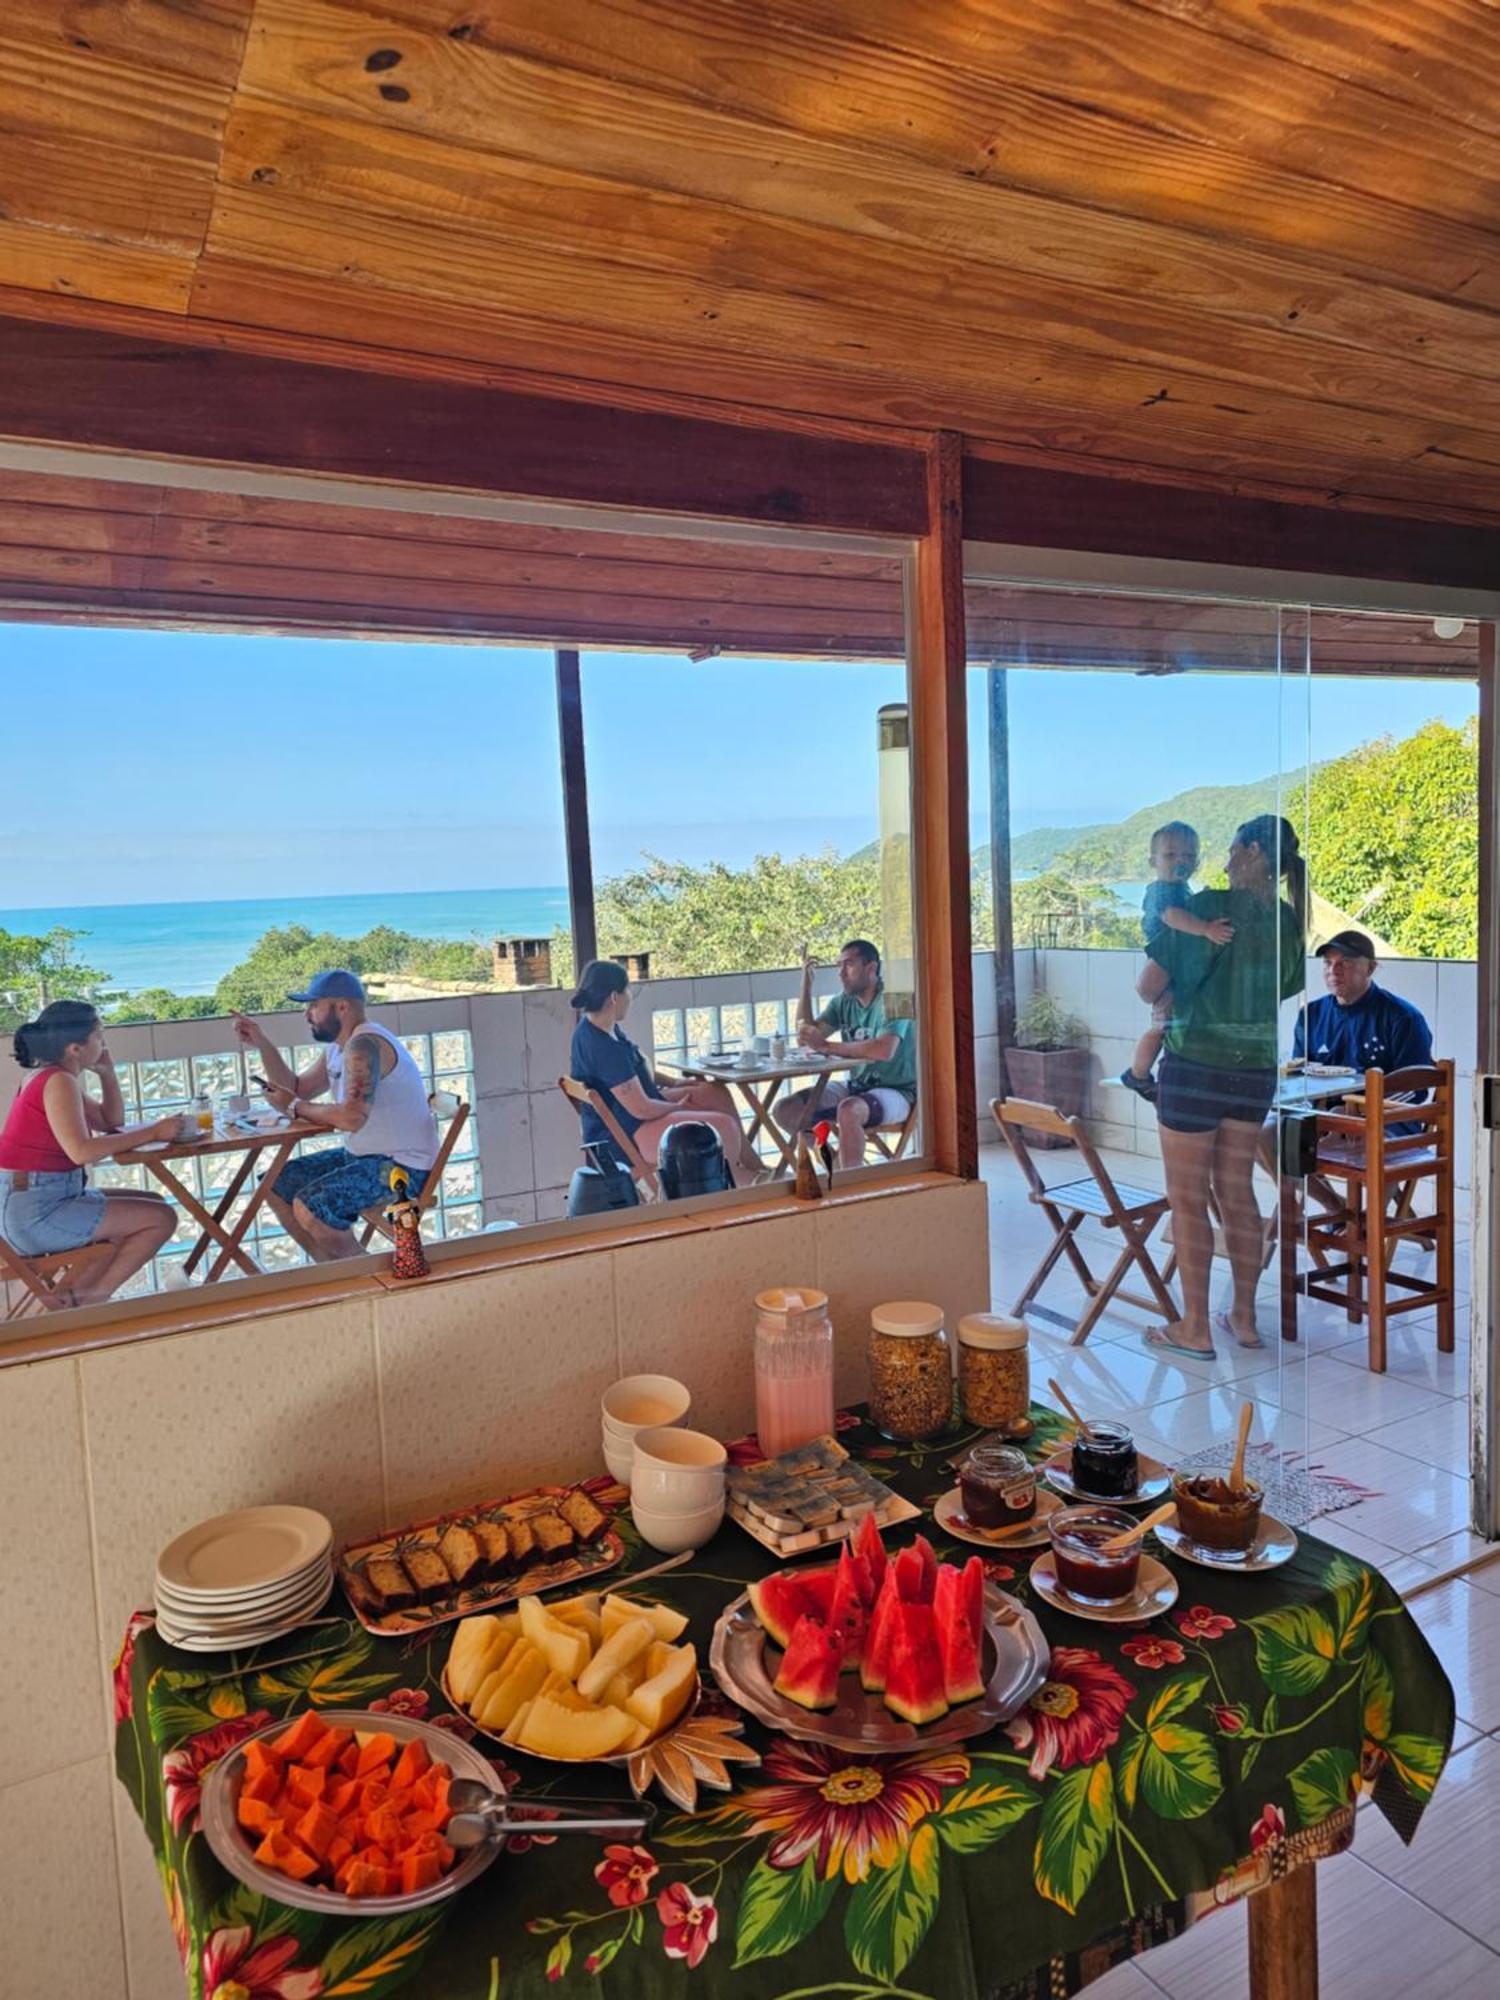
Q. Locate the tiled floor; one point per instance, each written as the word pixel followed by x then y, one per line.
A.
pixel 1403 1434
pixel 1393 1922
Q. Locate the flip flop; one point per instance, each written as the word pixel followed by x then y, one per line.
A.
pixel 1165 1346
pixel 1223 1324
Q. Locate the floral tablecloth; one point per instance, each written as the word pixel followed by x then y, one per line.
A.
pixel 1161 1771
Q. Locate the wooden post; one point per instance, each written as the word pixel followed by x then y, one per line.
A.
pixel 1000 864
pixel 575 789
pixel 1284 1937
pixel 941 794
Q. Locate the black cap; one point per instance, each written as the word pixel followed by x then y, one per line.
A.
pixel 1349 944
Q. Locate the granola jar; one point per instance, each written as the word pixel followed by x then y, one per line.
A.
pixel 994 1372
pixel 911 1371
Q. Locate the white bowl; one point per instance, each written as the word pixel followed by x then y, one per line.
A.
pixel 643 1402
pixel 677 1471
pixel 620 1459
pixel 671 1533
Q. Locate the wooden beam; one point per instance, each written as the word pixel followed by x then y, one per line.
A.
pixel 1032 507
pixel 998 691
pixel 112 392
pixel 941 797
pixel 575 787
pixel 1284 1937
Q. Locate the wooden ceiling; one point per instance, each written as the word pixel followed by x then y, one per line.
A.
pixel 1250 242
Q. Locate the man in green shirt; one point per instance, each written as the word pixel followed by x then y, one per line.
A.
pixel 855 1027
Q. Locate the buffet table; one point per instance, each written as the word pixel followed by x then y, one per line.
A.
pixel 1162 1771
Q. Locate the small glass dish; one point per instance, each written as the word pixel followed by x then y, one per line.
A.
pixel 1105 1464
pixel 1215 1515
pixel 1085 1570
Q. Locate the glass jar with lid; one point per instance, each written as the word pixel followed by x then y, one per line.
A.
pixel 911 1371
pixel 994 1372
pixel 793 1368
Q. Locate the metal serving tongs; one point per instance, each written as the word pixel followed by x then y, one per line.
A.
pixel 481 1814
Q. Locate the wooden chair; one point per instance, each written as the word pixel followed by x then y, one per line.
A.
pixel 891 1141
pixel 1133 1211
pixel 582 1098
pixel 374 1218
pixel 1354 1244
pixel 43 1279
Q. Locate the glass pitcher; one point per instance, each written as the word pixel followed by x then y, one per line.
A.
pixel 793 1368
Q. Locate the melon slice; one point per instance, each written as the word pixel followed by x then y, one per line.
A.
pixel 871 1551
pixel 914 1667
pixel 847 1613
pixel 626 1643
pixel 496 1706
pixel 659 1701
pixel 578 1615
pixel 512 1731
pixel 479 1646
pixel 553 1730
pixel 811 1665
pixel 778 1601
pixel 566 1647
pixel 958 1613
pixel 670 1625
pixel 878 1633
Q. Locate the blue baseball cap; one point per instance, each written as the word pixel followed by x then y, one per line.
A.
pixel 336 985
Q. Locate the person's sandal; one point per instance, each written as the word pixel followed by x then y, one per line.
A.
pixel 1143 1086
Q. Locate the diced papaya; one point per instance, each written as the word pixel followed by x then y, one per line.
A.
pixel 419 1871
pixel 342 1795
pixel 347 1760
pixel 352 1827
pixel 339 1850
pixel 265 1784
pixel 294 1743
pixel 307 1782
pixel 257 1814
pixel 317 1829
pixel 373 1792
pixel 363 1880
pixel 274 1845
pixel 383 1826
pixel 329 1747
pixel 430 1793
pixel 259 1756
pixel 410 1765
pixel 297 1862
pixel 375 1751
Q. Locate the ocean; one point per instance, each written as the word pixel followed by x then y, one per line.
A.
pixel 188 947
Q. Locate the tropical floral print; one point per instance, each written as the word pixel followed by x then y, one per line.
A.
pixel 124 1661
pixel 1271 1826
pixel 850 1813
pixel 689 1923
pixel 627 1874
pixel 1203 1623
pixel 1153 1652
pixel 404 1701
pixel 1074 1717
pixel 235 1967
pixel 182 1770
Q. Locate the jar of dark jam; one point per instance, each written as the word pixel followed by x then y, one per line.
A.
pixel 1084 1568
pixel 1104 1464
pixel 997 1487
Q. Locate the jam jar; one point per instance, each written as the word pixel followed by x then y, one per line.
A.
pixel 998 1487
pixel 1084 1568
pixel 911 1371
pixel 1104 1464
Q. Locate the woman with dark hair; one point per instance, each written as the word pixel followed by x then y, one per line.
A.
pixel 1217 1076
pixel 605 1058
pixel 53 1131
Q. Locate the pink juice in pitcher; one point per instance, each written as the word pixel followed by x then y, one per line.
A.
pixel 793 1368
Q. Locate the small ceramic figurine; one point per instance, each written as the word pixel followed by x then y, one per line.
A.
pixel 404 1215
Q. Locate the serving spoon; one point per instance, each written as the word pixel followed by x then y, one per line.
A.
pixel 482 1814
pixel 1067 1402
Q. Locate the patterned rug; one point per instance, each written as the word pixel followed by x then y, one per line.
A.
pixel 1297 1490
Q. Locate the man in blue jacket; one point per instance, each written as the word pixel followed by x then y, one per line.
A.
pixel 1358 1024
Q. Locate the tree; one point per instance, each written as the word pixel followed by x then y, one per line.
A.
pixel 1393 837
pixel 283 961
pixel 159 1003
pixel 37 969
pixel 1052 911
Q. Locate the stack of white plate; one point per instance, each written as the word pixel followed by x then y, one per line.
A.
pixel 243 1578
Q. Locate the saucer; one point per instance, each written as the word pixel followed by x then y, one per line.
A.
pixel 1273 1545
pixel 1155 1591
pixel 1029 1534
pixel 1153 1479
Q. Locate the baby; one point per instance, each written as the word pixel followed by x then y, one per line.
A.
pixel 1174 859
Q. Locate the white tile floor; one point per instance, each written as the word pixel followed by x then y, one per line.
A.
pixel 1393 1922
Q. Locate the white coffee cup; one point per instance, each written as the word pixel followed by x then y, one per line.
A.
pixel 237 1104
pixel 777 1049
pixel 187 1125
pixel 677 1471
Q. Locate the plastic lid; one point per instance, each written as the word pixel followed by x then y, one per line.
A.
pixel 907 1317
pixel 992 1330
pixel 791 1299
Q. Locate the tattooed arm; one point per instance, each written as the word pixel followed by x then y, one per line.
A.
pixel 365 1062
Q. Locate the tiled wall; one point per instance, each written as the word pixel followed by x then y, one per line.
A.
pixel 374 1410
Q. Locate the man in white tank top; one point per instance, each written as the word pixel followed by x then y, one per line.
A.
pixel 375 1098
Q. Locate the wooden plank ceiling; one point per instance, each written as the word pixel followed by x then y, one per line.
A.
pixel 1246 243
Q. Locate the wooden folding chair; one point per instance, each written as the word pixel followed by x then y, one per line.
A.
pixel 1134 1211
pixel 892 1147
pixel 1381 1174
pixel 432 1187
pixel 44 1280
pixel 581 1097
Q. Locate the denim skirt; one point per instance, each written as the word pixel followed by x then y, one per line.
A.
pixel 55 1212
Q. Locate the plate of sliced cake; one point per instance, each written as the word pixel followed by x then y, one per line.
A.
pixel 477 1558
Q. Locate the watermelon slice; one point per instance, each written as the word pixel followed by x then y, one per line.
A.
pixel 878 1633
pixel 928 1554
pixel 847 1613
pixel 907 1570
pixel 914 1667
pixel 958 1613
pixel 780 1600
pixel 871 1551
pixel 811 1665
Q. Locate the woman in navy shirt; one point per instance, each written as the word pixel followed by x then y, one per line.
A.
pixel 605 1058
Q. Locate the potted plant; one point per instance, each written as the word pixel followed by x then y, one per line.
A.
pixel 1049 1061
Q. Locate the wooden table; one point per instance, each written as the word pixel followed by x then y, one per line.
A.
pixel 280 1140
pixel 760 1087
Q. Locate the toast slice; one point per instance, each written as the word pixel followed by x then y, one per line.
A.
pixel 388 1583
pixel 582 1516
pixel 523 1548
pixel 427 1570
pixel 554 1538
pixel 494 1547
pixel 461 1554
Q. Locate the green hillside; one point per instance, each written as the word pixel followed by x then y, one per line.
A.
pixel 1120 851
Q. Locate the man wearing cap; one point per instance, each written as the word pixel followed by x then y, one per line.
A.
pixel 376 1102
pixel 1357 1024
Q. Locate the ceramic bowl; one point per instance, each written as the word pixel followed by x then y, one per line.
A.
pixel 677 1471
pixel 619 1458
pixel 671 1533
pixel 643 1402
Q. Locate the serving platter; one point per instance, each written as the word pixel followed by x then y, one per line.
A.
pixel 745 1661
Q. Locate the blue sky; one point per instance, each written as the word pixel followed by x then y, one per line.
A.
pixel 163 766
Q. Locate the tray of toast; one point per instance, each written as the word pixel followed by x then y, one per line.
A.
pixel 479 1558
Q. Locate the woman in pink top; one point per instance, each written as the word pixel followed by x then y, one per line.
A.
pixel 54 1131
